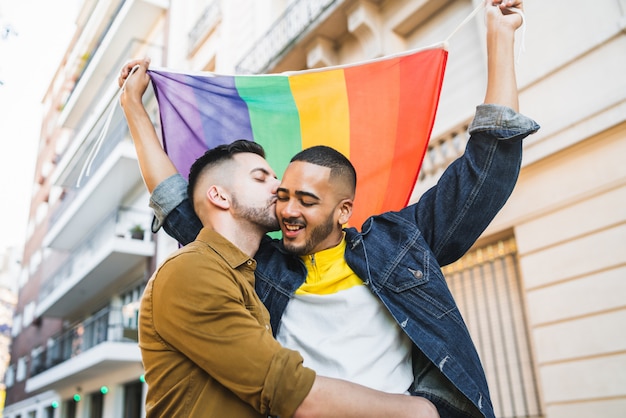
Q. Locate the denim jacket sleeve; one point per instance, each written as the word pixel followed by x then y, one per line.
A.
pixel 472 190
pixel 173 210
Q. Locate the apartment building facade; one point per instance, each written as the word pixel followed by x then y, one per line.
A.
pixel 541 291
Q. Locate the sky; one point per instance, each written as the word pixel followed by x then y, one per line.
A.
pixel 29 56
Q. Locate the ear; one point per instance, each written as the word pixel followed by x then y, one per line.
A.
pixel 345 211
pixel 218 197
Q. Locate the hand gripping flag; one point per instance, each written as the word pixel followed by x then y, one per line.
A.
pixel 379 114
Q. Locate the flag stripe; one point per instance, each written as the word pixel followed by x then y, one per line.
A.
pixel 224 115
pixel 274 118
pixel 322 97
pixel 178 110
pixel 373 118
pixel 420 76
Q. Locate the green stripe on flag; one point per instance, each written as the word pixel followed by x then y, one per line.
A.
pixel 273 116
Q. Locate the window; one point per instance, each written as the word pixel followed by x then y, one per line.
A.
pixel 29 313
pixel 96 404
pixel 21 369
pixel 34 262
pixel 133 399
pixel 48 412
pixel 17 325
pixel 488 291
pixel 69 408
pixel 130 308
pixel 41 212
pixel 37 362
pixel 24 275
pixel 9 377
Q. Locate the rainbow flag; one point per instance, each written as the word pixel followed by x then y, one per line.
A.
pixel 378 113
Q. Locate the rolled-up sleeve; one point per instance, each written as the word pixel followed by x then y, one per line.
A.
pixel 166 197
pixel 502 122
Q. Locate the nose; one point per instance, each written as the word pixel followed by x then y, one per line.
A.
pixel 288 209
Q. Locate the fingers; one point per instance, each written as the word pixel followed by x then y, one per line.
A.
pixel 504 5
pixel 127 69
pixel 505 14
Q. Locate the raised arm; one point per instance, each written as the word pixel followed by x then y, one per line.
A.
pixel 154 163
pixel 501 26
pixel 473 189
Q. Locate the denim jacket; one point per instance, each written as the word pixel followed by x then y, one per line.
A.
pixel 399 255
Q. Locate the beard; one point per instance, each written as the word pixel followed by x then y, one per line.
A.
pixel 318 234
pixel 264 217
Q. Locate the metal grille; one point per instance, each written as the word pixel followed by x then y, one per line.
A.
pixel 487 288
pixel 299 16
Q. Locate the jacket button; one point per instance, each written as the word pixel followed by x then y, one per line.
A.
pixel 417 274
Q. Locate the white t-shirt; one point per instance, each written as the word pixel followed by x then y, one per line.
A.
pixel 342 329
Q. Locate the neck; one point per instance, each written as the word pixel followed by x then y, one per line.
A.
pixel 331 242
pixel 244 236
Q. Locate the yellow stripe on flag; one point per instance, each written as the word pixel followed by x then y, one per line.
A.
pixel 322 102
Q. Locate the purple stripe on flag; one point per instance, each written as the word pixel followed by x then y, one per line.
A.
pixel 212 116
pixel 224 113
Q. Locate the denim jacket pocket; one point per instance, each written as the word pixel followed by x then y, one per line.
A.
pixel 420 289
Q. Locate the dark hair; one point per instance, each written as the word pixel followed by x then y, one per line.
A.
pixel 218 154
pixel 329 157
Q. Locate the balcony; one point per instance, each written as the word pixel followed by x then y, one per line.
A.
pixel 114 174
pixel 103 343
pixel 204 26
pixel 110 259
pixel 300 18
pixel 99 51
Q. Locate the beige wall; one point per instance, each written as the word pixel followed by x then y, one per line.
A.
pixel 569 212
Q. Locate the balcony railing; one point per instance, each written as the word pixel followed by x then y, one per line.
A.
pixel 115 135
pixel 106 325
pixel 205 23
pixel 116 224
pixel 85 59
pixel 298 17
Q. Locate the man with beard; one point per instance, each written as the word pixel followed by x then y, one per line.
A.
pixel 372 306
pixel 205 337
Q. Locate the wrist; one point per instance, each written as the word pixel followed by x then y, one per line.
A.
pixel 130 102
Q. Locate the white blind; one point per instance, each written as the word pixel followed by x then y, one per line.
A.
pixel 487 289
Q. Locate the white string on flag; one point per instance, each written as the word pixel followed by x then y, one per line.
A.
pixel 86 170
pixel 511 9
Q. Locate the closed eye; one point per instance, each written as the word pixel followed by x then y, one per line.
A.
pixel 303 198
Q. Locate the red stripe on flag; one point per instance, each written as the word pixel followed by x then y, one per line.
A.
pixel 373 94
pixel 421 78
